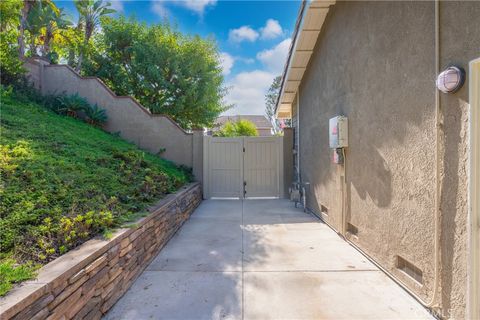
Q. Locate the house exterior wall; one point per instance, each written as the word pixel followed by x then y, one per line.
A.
pixel 375 63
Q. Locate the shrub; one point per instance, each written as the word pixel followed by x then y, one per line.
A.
pixel 72 104
pixel 52 239
pixel 95 116
pixel 63 104
pixel 241 128
pixel 55 103
pixel 246 128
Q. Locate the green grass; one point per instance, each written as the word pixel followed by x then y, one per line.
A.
pixel 11 273
pixel 64 182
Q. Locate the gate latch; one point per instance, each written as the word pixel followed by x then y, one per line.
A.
pixel 244 188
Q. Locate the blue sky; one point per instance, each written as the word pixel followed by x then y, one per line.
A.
pixel 253 38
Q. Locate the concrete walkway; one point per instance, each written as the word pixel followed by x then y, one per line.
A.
pixel 262 259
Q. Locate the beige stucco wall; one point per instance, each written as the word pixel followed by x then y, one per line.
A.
pixel 375 63
pixel 125 116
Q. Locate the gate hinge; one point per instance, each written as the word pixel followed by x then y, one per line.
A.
pixel 244 188
pixel 243 149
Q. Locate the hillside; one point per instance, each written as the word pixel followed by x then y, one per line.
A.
pixel 64 181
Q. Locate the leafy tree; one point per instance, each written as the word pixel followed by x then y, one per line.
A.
pixel 168 72
pixel 270 102
pixel 241 128
pixel 90 11
pixel 10 13
pixel 10 65
pixel 69 45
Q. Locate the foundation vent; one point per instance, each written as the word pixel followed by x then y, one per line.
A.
pixel 410 269
pixel 324 209
pixel 352 229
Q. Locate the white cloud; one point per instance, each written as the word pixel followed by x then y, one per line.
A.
pixel 227 62
pixel 244 33
pixel 247 89
pixel 274 59
pixel 247 92
pixel 245 60
pixel 117 5
pixel 197 6
pixel 271 30
pixel 158 7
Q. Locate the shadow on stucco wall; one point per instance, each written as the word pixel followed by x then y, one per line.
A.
pixel 374 181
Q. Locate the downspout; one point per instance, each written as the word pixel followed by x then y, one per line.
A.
pixel 438 125
pixel 473 308
pixel 298 134
pixel 438 122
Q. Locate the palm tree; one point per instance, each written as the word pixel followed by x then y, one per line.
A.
pixel 28 5
pixel 44 22
pixel 54 23
pixel 90 13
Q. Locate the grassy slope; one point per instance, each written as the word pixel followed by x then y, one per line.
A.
pixel 64 181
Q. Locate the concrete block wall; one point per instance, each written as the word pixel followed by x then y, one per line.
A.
pixel 86 282
pixel 127 117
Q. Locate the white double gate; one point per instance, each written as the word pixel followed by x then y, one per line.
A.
pixel 243 167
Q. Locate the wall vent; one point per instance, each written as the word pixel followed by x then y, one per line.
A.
pixel 352 229
pixel 410 269
pixel 324 209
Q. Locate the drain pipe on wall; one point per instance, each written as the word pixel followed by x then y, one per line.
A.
pixel 438 125
pixel 298 135
pixel 438 121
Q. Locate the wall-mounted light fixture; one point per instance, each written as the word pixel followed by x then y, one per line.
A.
pixel 451 79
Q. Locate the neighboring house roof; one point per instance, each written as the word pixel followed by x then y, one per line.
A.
pixel 307 29
pixel 261 122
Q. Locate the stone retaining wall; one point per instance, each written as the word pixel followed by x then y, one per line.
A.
pixel 86 282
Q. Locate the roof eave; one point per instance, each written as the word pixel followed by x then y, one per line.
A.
pixel 307 29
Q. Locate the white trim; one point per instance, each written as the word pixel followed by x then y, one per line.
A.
pixel 474 190
pixel 206 150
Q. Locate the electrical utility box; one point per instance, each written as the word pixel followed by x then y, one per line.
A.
pixel 338 132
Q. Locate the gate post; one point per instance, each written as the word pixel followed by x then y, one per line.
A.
pixel 197 154
pixel 287 160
